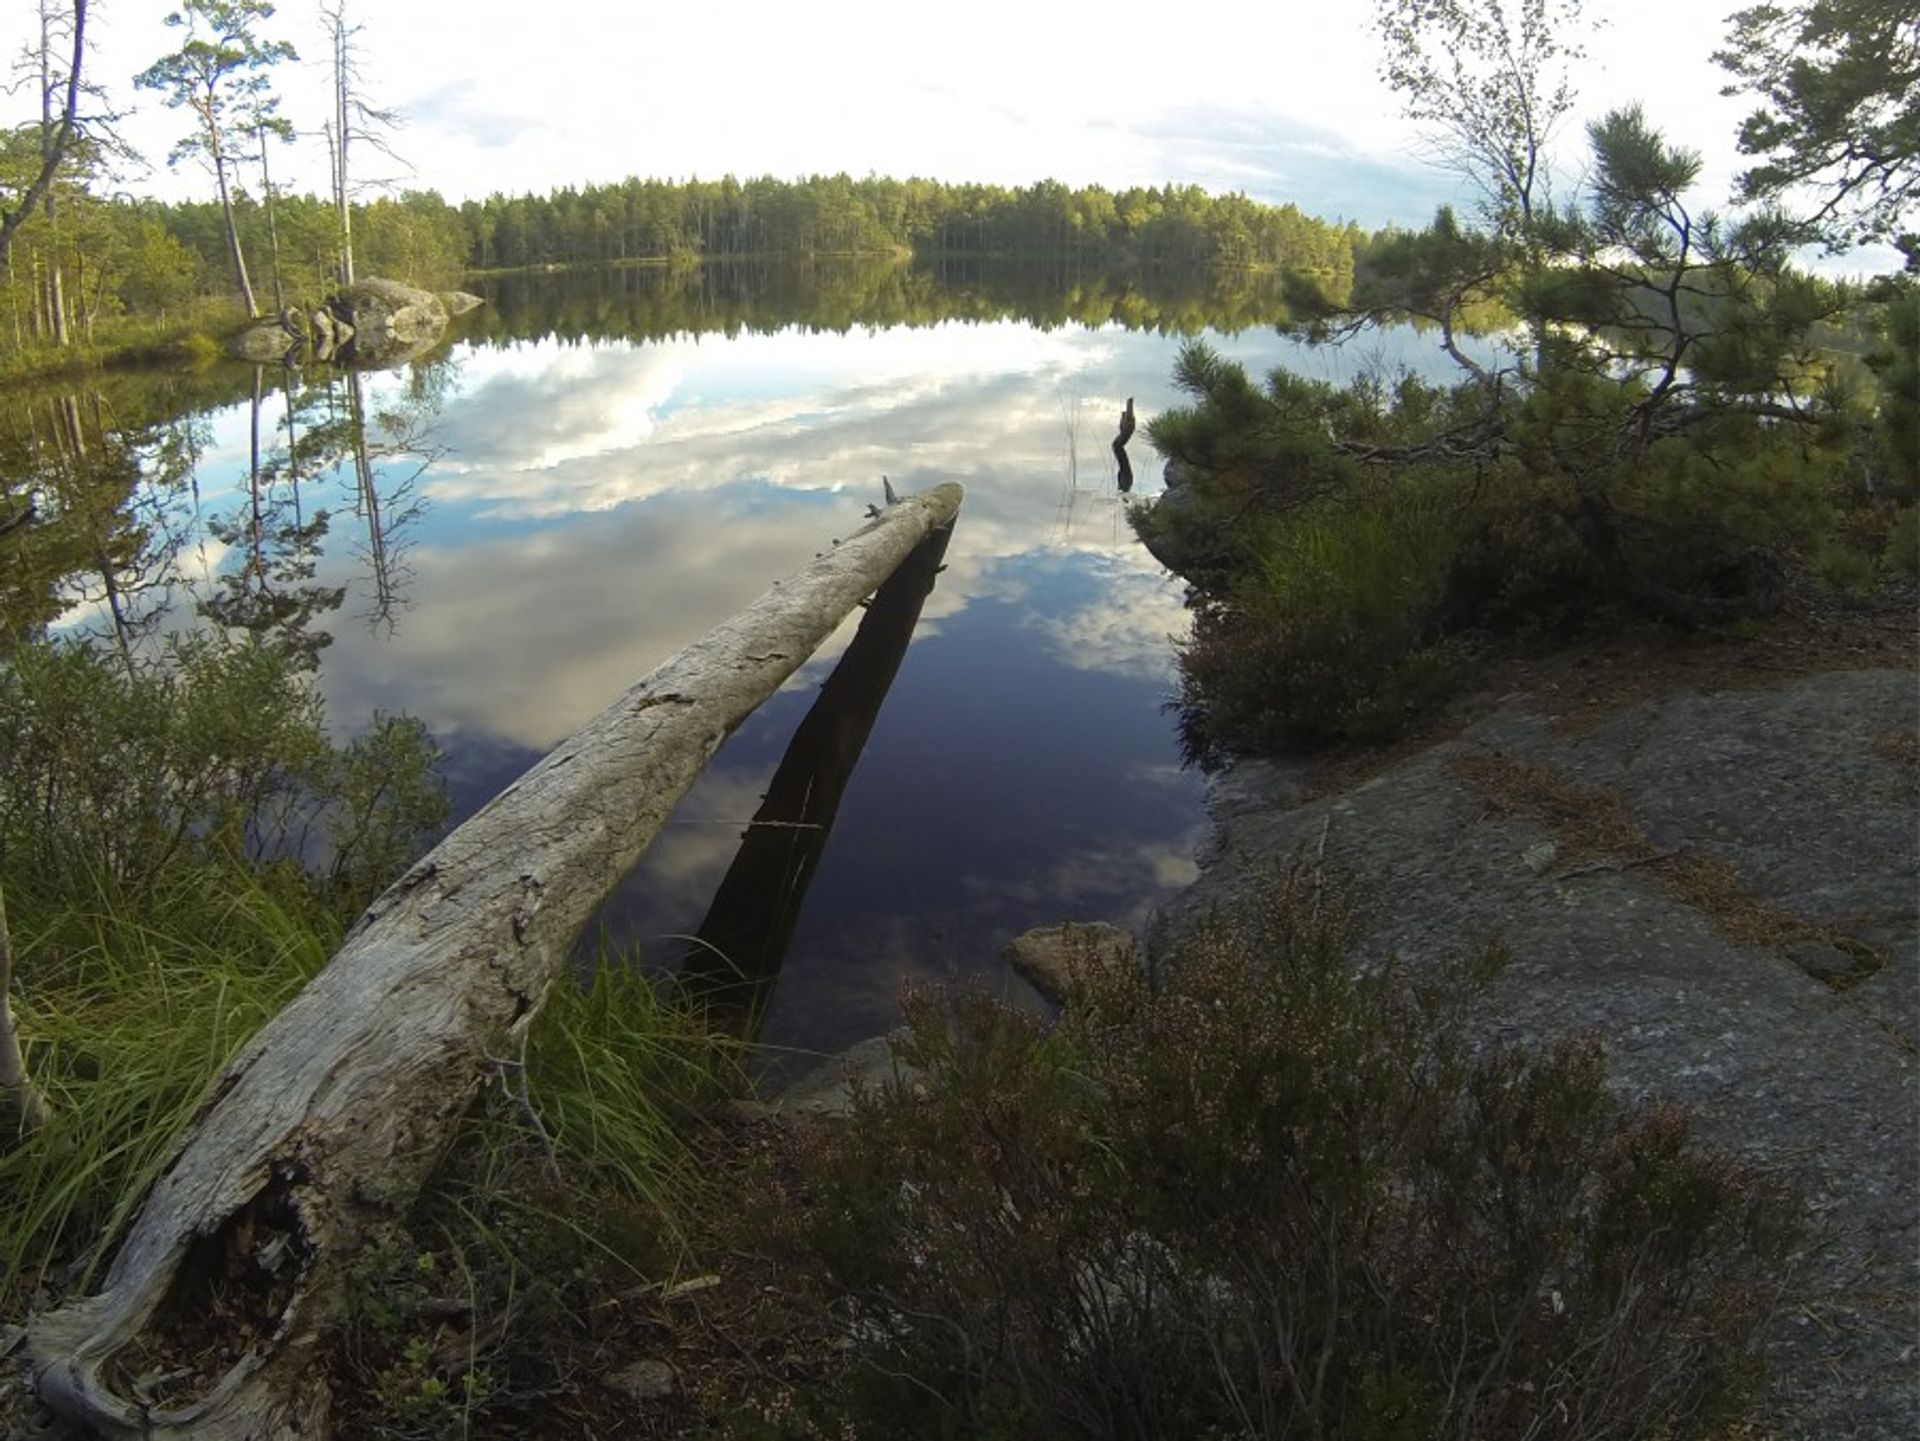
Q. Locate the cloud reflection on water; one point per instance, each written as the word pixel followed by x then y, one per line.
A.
pixel 591 518
pixel 601 506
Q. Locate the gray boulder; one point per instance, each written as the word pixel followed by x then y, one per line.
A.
pixel 267 342
pixel 370 322
pixel 1176 531
pixel 388 317
pixel 648 1380
pixel 827 1090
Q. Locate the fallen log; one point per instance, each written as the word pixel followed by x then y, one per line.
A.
pixel 331 1118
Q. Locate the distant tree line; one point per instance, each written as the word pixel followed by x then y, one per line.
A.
pixel 837 215
pixel 142 257
pixel 76 251
pixel 764 296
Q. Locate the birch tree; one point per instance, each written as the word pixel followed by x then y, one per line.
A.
pixel 1490 81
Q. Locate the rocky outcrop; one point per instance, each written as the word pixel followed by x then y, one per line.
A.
pixel 267 342
pixel 388 316
pixel 1177 532
pixel 826 1091
pixel 371 322
pixel 1054 959
pixel 1720 886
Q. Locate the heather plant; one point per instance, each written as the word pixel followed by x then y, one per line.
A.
pixel 1265 1192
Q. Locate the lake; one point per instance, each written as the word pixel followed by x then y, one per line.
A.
pixel 600 468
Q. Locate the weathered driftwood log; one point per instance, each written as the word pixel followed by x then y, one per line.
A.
pixel 330 1119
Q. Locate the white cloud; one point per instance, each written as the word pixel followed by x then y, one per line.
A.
pixel 1219 92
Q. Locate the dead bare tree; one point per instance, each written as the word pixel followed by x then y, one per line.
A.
pixel 56 135
pixel 353 119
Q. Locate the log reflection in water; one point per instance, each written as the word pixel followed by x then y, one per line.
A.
pixel 735 963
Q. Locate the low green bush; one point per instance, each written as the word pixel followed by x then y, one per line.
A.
pixel 215 754
pixel 1266 1194
pixel 1902 551
pixel 185 334
pixel 1325 633
pixel 1344 545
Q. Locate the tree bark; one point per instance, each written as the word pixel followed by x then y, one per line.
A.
pixel 273 230
pixel 226 210
pixel 330 1119
pixel 29 1106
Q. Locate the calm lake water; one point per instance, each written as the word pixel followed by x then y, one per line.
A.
pixel 585 481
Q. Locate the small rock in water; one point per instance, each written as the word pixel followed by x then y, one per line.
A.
pixel 1058 959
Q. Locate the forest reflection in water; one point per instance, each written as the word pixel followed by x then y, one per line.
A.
pixel 599 467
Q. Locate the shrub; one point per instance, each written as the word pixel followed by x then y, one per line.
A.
pixel 1325 632
pixel 1267 1194
pixel 1340 543
pixel 214 755
pixel 1902 554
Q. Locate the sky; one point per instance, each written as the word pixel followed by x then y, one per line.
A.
pixel 1276 98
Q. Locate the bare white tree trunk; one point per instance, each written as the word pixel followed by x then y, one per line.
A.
pixel 29 1106
pixel 330 1119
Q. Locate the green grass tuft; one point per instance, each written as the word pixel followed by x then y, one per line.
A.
pixel 129 1011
